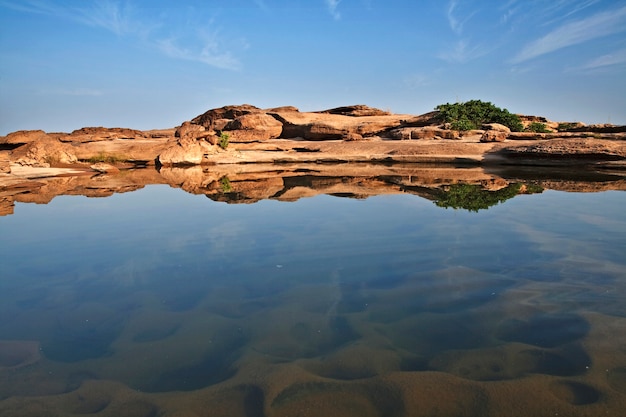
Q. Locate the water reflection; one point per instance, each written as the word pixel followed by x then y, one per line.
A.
pixel 164 302
pixel 470 188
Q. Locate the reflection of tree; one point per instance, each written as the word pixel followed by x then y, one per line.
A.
pixel 473 197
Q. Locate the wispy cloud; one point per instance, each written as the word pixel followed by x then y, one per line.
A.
pixel 456 24
pixel 333 5
pixel 608 60
pixel 209 53
pixel 109 15
pixel 463 52
pixel 122 20
pixel 574 33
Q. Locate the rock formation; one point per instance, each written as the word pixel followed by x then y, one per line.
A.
pixel 355 133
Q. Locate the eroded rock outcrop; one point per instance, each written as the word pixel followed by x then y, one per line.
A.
pixel 43 152
pixel 253 127
pixel 93 134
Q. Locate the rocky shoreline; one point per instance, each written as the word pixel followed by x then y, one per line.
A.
pixel 261 151
pixel 247 134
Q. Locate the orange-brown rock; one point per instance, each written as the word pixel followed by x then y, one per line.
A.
pixel 494 136
pixel 5 162
pixel 358 110
pixel 43 152
pixel 209 118
pixel 93 134
pixel 22 136
pixel 253 127
pixel 186 151
pixel 105 168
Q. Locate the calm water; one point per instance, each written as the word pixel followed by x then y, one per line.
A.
pixel 159 302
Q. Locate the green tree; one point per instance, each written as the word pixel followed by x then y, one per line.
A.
pixel 538 127
pixel 474 113
pixel 474 198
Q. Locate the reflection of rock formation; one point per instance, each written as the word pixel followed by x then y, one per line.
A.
pixel 249 183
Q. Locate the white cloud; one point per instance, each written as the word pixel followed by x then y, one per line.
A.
pixel 209 54
pixel 573 33
pixel 451 14
pixel 463 52
pixel 452 21
pixel 615 58
pixel 332 8
pixel 105 14
pixel 121 20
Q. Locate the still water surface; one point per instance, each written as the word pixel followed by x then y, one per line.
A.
pixel 159 302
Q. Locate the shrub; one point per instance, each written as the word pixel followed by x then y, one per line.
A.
pixel 566 126
pixel 225 184
pixel 474 198
pixel 223 140
pixel 108 158
pixel 538 128
pixel 474 113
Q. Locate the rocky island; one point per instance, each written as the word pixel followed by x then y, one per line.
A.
pixel 244 153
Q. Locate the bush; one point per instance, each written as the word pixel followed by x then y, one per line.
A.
pixel 474 113
pixel 563 127
pixel 538 128
pixel 223 140
pixel 474 198
pixel 225 184
pixel 107 158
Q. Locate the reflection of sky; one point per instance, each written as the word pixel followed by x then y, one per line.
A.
pixel 178 278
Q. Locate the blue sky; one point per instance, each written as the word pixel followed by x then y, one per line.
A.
pixel 153 64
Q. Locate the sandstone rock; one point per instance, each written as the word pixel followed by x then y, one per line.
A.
pixel 94 134
pixel 189 130
pixel 324 126
pixel 186 151
pixel 7 206
pixel 282 109
pixel 209 118
pixel 497 127
pixel 253 127
pixel 494 136
pixel 427 119
pixel 357 110
pixel 423 133
pixel 23 136
pixel 353 136
pixel 43 152
pixel 5 162
pixel 104 168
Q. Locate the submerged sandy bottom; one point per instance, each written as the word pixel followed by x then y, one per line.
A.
pixel 336 355
pixel 227 322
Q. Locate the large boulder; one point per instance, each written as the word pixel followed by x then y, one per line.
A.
pixel 186 151
pixel 43 152
pixel 497 127
pixel 215 119
pixel 494 136
pixel 326 126
pixel 22 136
pixel 189 130
pixel 423 133
pixel 253 127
